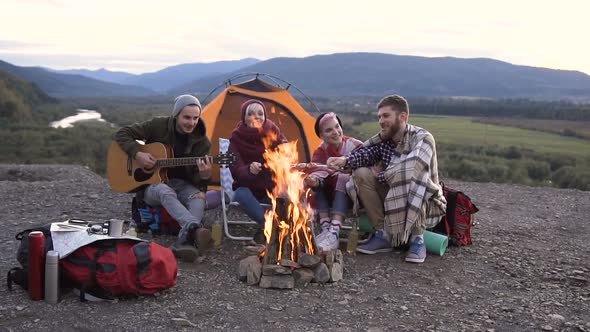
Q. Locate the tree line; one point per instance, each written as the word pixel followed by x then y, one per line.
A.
pixel 364 108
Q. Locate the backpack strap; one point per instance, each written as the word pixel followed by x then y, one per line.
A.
pixel 18 276
pixel 92 286
pixel 451 206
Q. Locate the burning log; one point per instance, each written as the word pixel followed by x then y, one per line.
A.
pixel 288 237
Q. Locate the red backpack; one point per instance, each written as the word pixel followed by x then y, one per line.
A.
pixel 457 222
pixel 116 267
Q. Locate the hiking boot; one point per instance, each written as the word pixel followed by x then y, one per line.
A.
pixel 184 251
pixel 258 238
pixel 328 242
pixel 199 236
pixel 417 251
pixel 185 246
pixel 378 243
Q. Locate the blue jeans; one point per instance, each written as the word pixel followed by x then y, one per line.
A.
pixel 178 198
pixel 251 205
pixel 339 204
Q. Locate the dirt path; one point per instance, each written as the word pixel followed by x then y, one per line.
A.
pixel 528 270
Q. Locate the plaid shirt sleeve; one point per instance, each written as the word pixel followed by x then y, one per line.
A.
pixel 363 157
pixel 370 155
pixel 381 178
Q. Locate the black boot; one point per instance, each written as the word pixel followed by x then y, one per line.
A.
pixel 184 247
pixel 259 237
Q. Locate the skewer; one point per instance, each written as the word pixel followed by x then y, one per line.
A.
pixel 310 167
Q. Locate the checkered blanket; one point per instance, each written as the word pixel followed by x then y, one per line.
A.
pixel 415 198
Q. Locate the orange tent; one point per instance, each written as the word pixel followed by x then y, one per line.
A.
pixel 222 114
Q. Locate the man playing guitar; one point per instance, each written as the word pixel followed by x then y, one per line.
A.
pixel 183 194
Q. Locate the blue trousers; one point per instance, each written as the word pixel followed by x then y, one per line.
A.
pixel 251 205
pixel 339 204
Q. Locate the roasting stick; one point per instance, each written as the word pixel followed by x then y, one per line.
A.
pixel 311 167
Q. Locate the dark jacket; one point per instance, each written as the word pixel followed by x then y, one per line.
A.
pixel 248 146
pixel 161 130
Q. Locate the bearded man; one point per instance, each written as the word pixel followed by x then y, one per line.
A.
pixel 395 175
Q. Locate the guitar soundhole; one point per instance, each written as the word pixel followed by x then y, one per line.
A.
pixel 140 176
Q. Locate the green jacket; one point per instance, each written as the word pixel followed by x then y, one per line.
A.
pixel 161 130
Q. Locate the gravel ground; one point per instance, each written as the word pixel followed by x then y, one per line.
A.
pixel 528 270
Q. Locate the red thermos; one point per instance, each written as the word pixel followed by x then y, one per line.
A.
pixel 36 264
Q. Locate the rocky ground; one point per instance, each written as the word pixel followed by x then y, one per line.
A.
pixel 528 270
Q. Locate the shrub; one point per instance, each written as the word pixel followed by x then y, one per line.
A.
pixel 467 170
pixel 538 170
pixel 556 162
pixel 572 177
pixel 497 173
pixel 513 153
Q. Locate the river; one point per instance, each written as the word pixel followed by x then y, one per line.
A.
pixel 82 115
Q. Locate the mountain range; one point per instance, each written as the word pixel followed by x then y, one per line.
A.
pixel 167 78
pixel 64 85
pixel 341 74
pixel 376 74
pixel 101 74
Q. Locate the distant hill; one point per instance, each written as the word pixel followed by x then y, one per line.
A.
pixel 171 77
pixel 18 97
pixel 377 74
pixel 100 74
pixel 64 85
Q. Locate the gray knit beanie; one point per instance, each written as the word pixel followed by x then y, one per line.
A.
pixel 182 101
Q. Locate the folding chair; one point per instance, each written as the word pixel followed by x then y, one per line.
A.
pixel 227 195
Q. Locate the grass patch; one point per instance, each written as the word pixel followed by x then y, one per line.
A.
pixel 579 129
pixel 476 151
pixel 454 130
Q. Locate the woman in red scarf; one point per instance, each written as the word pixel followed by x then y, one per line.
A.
pixel 251 178
pixel 329 187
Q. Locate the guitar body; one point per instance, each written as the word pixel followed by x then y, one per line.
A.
pixel 124 173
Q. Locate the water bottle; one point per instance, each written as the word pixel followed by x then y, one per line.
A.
pixel 131 230
pixel 36 264
pixel 52 277
pixel 353 239
pixel 216 233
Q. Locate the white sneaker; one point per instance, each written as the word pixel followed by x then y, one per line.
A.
pixel 322 235
pixel 329 242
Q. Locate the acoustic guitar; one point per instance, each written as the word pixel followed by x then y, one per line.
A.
pixel 125 175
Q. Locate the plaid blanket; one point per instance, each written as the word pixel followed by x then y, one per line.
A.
pixel 415 197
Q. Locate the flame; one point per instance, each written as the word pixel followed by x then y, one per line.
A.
pixel 290 187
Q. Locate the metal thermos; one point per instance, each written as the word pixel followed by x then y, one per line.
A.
pixel 36 264
pixel 52 277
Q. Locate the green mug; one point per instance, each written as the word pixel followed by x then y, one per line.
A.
pixel 365 225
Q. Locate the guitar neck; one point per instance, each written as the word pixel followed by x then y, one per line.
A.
pixel 175 162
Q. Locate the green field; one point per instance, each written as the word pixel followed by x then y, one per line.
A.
pixel 452 130
pixel 579 129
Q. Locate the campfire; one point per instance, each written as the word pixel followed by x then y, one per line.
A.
pixel 287 225
pixel 290 255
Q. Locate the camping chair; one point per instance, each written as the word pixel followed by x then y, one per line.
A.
pixel 227 203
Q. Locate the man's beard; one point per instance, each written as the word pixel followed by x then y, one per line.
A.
pixel 392 130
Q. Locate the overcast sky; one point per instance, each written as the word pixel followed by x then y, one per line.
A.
pixel 148 35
